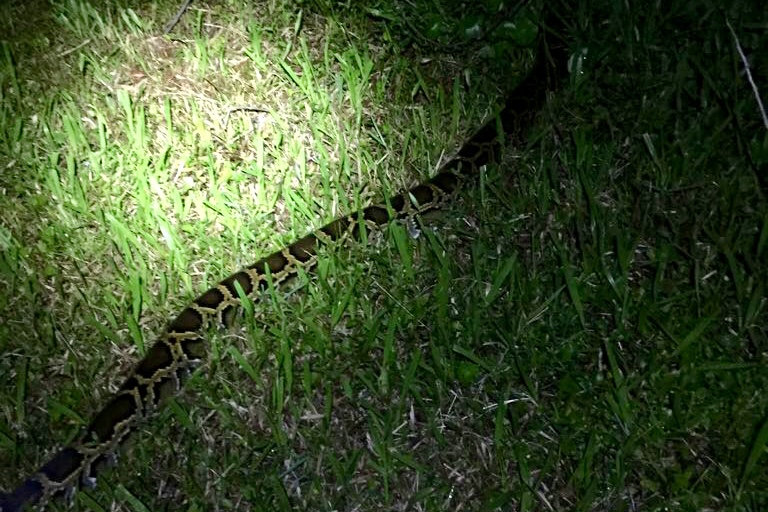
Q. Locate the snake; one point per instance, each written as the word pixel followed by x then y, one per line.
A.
pixel 182 347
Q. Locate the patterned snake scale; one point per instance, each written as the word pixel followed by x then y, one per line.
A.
pixel 182 347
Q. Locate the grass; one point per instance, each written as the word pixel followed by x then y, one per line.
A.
pixel 582 330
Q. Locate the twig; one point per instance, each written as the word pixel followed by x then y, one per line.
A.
pixel 239 108
pixel 169 26
pixel 67 52
pixel 749 73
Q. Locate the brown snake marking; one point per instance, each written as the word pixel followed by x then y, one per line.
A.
pixel 182 347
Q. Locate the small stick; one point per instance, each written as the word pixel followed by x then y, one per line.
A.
pixel 169 26
pixel 67 52
pixel 749 73
pixel 238 108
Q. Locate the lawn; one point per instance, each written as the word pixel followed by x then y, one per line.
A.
pixel 583 328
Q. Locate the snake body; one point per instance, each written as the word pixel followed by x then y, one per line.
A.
pixel 162 371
